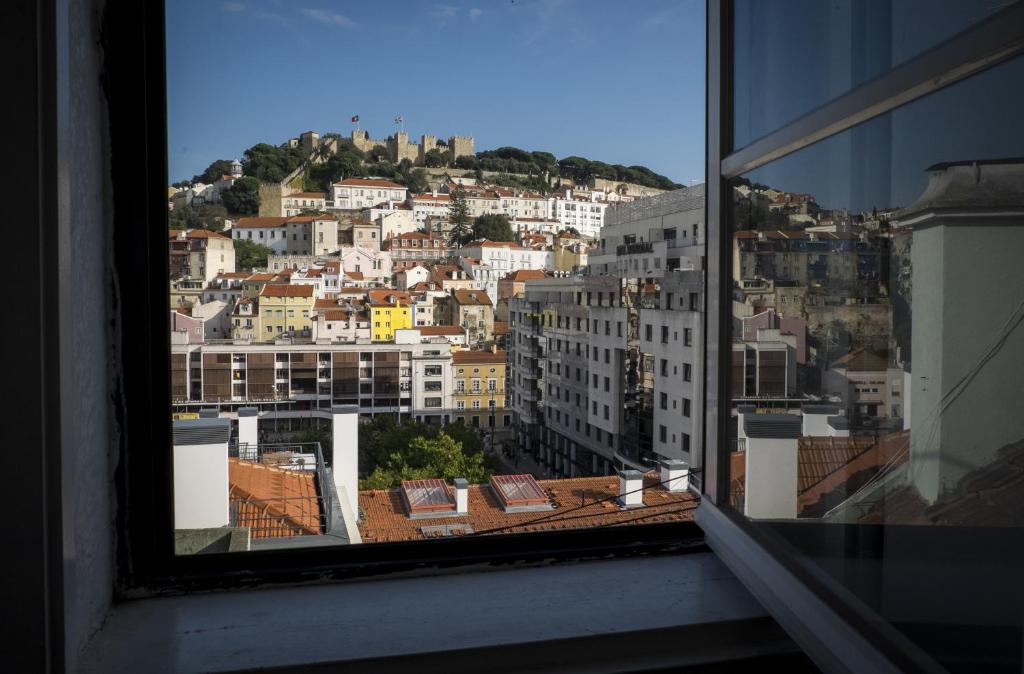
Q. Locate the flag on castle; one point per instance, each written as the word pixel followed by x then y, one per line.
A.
pixel 355 119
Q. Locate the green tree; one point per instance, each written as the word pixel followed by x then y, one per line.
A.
pixel 243 198
pixel 494 227
pixel 214 172
pixel 458 214
pixel 249 255
pixel 425 457
pixel 270 163
pixel 435 158
pixel 416 181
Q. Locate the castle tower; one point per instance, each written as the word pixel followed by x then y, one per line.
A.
pixel 460 146
pixel 427 143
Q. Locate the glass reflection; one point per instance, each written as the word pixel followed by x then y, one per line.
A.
pixel 878 356
pixel 791 56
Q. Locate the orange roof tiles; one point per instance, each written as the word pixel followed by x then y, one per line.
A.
pixel 500 327
pixel 354 275
pixel 477 357
pixel 525 275
pixel 473 297
pixel 576 505
pixel 305 195
pixel 260 222
pixel 204 234
pixel 273 502
pixel 282 290
pixel 311 217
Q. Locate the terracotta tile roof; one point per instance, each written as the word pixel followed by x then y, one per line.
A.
pixel 473 297
pixel 312 217
pixel 477 357
pixel 431 197
pixel 832 469
pixel 336 314
pixel 283 290
pixel 273 502
pixel 500 327
pixel 260 222
pixel 204 234
pixel 305 195
pixel 369 182
pixel 233 275
pixel 421 287
pixel 861 360
pixel 261 277
pixel 354 275
pixel 575 500
pixel 383 296
pixel 525 275
pixel 440 330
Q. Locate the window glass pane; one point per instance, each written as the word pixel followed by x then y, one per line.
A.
pixel 364 294
pixel 877 356
pixel 791 56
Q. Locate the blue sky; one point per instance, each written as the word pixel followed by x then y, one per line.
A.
pixel 620 82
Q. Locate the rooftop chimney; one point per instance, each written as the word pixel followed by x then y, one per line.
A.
pixel 461 495
pixel 675 475
pixel 631 484
pixel 248 435
pixel 345 454
pixel 770 472
pixel 201 473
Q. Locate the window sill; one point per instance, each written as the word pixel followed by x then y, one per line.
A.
pixel 609 616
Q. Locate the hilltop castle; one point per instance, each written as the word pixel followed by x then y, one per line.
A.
pixel 399 147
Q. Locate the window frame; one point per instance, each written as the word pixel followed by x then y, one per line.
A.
pixel 135 60
pixel 832 626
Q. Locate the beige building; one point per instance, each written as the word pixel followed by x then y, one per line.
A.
pixel 200 254
pixel 472 310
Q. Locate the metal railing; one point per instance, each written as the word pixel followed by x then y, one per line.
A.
pixel 297 456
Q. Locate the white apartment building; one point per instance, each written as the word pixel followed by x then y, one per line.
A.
pixel 504 257
pixel 297 202
pixel 433 206
pixel 671 333
pixel 360 193
pixel 649 236
pixel 270 231
pixel 585 215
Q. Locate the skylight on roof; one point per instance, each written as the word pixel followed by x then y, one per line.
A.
pixel 519 492
pixel 427 497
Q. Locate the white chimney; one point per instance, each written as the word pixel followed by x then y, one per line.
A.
pixel 345 453
pixel 201 473
pixel 770 473
pixel 675 475
pixel 816 419
pixel 631 484
pixel 461 495
pixel 248 433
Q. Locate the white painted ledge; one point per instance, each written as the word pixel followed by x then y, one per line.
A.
pixel 500 614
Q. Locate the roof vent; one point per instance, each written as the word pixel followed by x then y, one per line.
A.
pixel 631 484
pixel 675 475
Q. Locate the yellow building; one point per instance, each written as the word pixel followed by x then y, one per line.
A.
pixel 285 309
pixel 386 317
pixel 480 388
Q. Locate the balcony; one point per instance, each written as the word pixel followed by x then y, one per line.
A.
pixel 634 248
